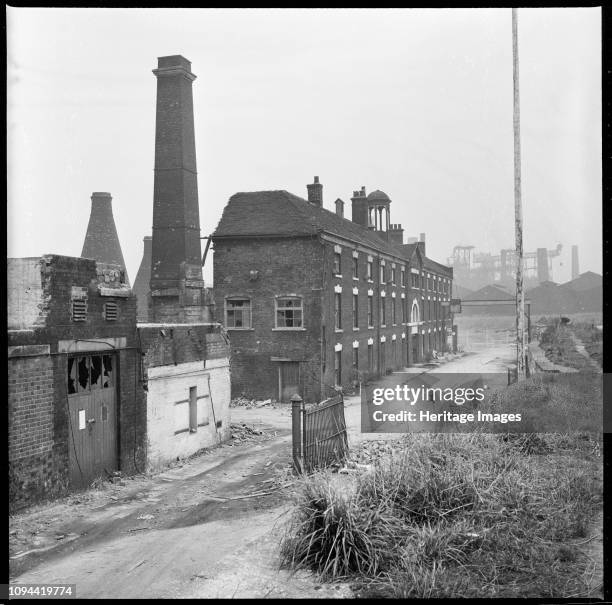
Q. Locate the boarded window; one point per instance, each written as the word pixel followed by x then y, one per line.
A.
pixel 193 409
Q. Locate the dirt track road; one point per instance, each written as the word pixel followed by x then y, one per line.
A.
pixel 183 533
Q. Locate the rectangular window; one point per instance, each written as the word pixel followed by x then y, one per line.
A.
pixel 193 409
pixel 382 274
pixel 338 368
pixel 394 310
pixel 355 310
pixel 383 361
pixel 371 358
pixel 289 312
pixel 337 263
pixel 370 311
pixel 355 268
pixel 370 270
pixel 238 313
pixel 403 277
pixel 404 310
pixel 338 311
pixel 383 314
pixel 356 359
pixel 392 275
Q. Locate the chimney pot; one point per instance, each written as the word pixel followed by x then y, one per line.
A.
pixel 316 179
pixel 315 192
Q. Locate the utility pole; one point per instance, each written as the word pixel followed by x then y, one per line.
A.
pixel 521 348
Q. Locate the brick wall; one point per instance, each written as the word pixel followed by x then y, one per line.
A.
pixel 282 266
pixel 33 471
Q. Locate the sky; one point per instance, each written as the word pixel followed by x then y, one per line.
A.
pixel 417 103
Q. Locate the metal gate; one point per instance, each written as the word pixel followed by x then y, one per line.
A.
pixel 92 421
pixel 319 433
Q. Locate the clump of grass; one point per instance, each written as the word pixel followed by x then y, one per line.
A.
pixel 450 515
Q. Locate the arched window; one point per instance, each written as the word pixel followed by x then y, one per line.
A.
pixel 414 312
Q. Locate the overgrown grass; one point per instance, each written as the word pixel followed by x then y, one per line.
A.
pixel 470 515
pixel 552 402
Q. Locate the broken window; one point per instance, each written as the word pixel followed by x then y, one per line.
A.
pixel 107 376
pixel 289 312
pixel 238 313
pixel 72 376
pixel 96 372
pixel 83 373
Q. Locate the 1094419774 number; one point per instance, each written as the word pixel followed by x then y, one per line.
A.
pixel 41 591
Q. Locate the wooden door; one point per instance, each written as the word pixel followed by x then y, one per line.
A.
pixel 289 380
pixel 92 420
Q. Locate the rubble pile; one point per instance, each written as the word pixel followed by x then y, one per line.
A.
pixel 245 402
pixel 243 433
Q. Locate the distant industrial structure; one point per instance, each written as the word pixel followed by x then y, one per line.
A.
pixel 474 270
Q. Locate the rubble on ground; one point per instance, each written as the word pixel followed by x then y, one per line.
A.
pixel 246 402
pixel 243 433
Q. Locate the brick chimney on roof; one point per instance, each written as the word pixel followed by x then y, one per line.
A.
pixel 101 240
pixel 177 287
pixel 315 192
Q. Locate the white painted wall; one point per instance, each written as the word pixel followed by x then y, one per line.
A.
pixel 24 293
pixel 170 384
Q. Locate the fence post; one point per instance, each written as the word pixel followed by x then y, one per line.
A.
pixel 296 421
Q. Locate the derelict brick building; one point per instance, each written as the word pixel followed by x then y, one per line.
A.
pixel 312 300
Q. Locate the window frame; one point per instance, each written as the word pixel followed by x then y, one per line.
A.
pixel 230 299
pixel 277 309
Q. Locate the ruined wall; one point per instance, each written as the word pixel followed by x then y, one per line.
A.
pixel 37 372
pixel 177 359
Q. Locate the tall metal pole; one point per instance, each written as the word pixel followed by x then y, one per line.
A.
pixel 518 210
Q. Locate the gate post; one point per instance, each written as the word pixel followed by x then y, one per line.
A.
pixel 296 421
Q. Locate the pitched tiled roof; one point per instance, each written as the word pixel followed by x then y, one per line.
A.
pixel 282 213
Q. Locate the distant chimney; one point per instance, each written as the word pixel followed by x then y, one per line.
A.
pixel 101 240
pixel 542 261
pixel 575 266
pixel 315 192
pixel 141 286
pixel 412 240
pixel 421 237
pixel 340 207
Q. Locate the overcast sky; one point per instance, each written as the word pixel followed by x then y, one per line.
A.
pixel 417 103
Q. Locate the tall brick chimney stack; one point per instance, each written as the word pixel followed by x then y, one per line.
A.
pixel 142 283
pixel 177 287
pixel 575 265
pixel 315 192
pixel 101 240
